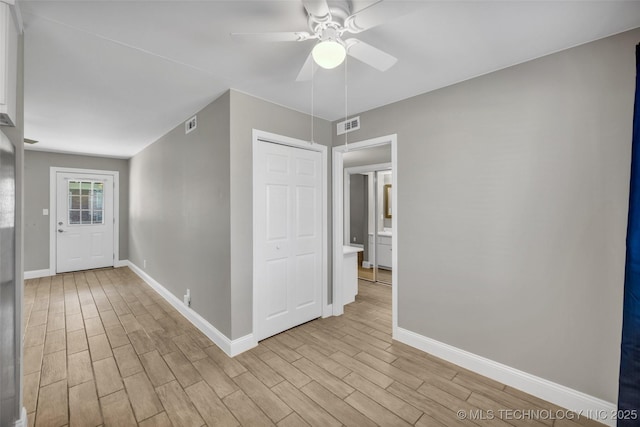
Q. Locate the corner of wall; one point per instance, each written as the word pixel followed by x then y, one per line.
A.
pixel 195 256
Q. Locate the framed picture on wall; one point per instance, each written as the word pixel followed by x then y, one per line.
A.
pixel 386 191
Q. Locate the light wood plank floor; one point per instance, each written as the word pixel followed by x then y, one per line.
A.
pixel 103 348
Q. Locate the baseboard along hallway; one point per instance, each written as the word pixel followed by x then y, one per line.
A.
pixel 102 347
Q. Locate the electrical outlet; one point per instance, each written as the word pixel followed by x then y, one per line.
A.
pixel 187 298
pixel 354 239
pixel 144 263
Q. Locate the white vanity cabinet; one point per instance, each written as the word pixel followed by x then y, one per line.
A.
pixel 384 251
pixel 8 64
pixel 350 273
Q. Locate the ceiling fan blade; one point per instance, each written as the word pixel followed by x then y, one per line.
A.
pixel 308 69
pixel 376 14
pixel 291 36
pixel 318 8
pixel 370 55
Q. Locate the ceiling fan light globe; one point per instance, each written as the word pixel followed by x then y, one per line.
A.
pixel 328 54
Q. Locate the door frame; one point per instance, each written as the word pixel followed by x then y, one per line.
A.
pixel 53 210
pixel 262 137
pixel 338 220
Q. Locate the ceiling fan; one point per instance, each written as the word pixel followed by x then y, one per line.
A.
pixel 330 25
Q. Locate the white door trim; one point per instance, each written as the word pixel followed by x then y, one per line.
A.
pixel 261 137
pixel 53 171
pixel 338 221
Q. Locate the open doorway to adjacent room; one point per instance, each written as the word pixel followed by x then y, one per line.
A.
pixel 365 219
pixel 368 213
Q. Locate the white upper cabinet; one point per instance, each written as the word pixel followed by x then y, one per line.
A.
pixel 8 64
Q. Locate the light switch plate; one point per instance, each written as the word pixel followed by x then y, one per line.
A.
pixel 45 212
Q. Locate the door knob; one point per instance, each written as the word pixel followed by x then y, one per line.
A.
pixel 60 223
pixel 60 230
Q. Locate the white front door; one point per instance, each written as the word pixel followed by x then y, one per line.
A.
pixel 84 221
pixel 288 237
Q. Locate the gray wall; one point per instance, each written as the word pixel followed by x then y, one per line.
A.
pixel 512 206
pixel 248 113
pixel 37 166
pixel 358 209
pixel 179 213
pixel 367 156
pixel 191 210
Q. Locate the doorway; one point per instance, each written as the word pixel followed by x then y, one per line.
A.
pixel 368 214
pixel 84 215
pixel 339 202
pixel 289 243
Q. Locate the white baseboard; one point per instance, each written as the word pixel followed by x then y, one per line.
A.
pixel 327 311
pixel 230 347
pixel 36 274
pixel 23 421
pixel 557 394
pixel 242 344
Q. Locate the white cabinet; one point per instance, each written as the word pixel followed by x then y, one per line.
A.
pixel 350 273
pixel 384 251
pixel 8 65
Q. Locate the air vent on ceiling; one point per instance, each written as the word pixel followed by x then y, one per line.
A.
pixel 30 141
pixel 190 124
pixel 348 125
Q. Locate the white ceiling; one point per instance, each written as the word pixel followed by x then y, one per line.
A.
pixel 110 77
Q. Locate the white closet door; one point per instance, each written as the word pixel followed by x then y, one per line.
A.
pixel 288 265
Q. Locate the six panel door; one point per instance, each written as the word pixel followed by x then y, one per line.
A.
pixel 288 265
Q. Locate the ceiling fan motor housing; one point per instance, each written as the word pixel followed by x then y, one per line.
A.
pixel 330 33
pixel 335 20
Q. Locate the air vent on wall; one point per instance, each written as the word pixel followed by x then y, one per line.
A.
pixel 348 125
pixel 190 124
pixel 30 141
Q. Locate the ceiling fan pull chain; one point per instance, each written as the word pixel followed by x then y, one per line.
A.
pixel 312 113
pixel 346 111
